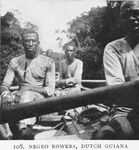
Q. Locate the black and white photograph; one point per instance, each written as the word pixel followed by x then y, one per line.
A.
pixel 69 74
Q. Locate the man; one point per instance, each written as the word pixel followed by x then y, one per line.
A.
pixel 121 64
pixel 70 72
pixel 49 53
pixel 36 78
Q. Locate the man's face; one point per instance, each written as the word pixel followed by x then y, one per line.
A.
pixel 131 14
pixel 30 43
pixel 69 52
pixel 49 53
pixel 134 19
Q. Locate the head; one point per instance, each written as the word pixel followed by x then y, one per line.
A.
pixel 30 42
pixel 130 13
pixel 49 53
pixel 70 50
pixel 79 53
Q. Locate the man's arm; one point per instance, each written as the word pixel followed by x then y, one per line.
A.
pixel 50 78
pixel 8 79
pixel 40 90
pixel 112 66
pixel 4 88
pixel 77 75
pixel 73 80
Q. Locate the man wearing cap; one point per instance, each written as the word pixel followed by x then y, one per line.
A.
pixel 70 72
pixel 36 78
pixel 121 64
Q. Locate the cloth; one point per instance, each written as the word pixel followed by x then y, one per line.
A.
pixel 121 65
pixel 117 128
pixel 28 96
pixel 5 131
pixel 66 91
pixel 72 73
pixel 38 72
pixel 120 62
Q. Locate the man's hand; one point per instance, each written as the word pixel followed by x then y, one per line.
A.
pixel 60 83
pixel 70 84
pixel 6 98
pixel 18 96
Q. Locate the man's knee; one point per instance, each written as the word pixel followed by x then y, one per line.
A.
pixel 29 96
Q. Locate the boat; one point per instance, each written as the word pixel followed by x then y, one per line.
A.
pixel 125 94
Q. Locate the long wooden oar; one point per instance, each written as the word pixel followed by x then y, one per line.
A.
pixel 126 94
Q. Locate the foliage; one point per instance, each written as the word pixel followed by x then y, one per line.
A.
pixel 92 31
pixel 58 57
pixel 11 40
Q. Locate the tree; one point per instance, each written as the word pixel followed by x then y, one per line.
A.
pixel 58 57
pixel 93 30
pixel 10 40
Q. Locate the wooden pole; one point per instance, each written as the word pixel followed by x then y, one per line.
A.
pixel 126 94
